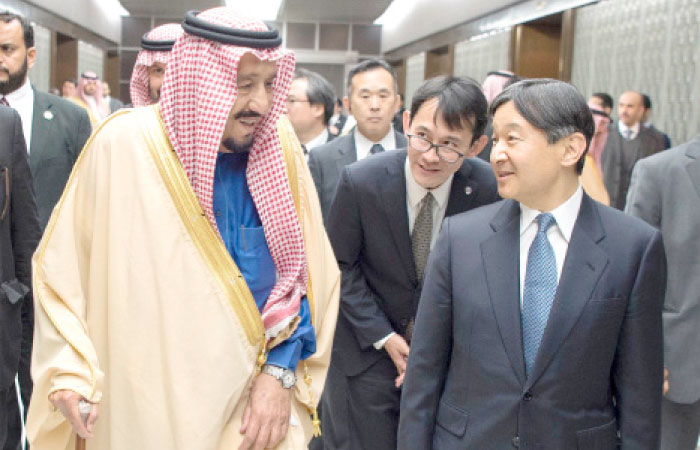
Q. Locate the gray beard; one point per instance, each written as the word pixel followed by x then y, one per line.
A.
pixel 235 147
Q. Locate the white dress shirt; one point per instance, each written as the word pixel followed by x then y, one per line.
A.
pixel 414 195
pixel 22 100
pixel 559 234
pixel 623 129
pixel 318 140
pixel 363 145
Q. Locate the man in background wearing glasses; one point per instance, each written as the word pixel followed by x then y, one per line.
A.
pixel 385 218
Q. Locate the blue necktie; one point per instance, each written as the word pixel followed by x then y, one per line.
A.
pixel 539 290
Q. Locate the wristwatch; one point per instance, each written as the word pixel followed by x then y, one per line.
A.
pixel 285 376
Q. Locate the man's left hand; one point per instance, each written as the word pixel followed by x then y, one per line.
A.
pixel 266 416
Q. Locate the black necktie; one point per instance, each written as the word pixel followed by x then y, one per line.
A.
pixel 376 148
pixel 303 147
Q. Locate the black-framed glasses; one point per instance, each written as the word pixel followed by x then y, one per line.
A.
pixel 447 153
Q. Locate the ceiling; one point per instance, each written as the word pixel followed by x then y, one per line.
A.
pixel 344 11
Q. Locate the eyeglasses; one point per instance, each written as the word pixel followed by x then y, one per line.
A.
pixel 293 100
pixel 446 152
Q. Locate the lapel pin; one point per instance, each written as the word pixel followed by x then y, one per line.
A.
pixel 48 115
pixel 468 190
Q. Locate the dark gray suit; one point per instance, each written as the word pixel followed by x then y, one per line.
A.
pixel 59 131
pixel 368 229
pixel 19 235
pixel 599 367
pixel 327 161
pixel 665 192
pixel 616 175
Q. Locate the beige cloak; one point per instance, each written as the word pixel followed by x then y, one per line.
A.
pixel 140 307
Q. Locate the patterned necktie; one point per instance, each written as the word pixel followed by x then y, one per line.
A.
pixel 376 148
pixel 539 290
pixel 628 134
pixel 422 234
pixel 3 101
pixel 303 147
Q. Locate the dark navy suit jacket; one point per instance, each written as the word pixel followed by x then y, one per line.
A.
pixel 599 368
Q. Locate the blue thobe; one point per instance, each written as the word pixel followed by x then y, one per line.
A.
pixel 243 234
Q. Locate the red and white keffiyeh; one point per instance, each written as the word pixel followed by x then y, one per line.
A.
pixel 102 110
pixel 198 93
pixel 138 87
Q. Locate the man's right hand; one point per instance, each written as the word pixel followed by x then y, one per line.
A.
pixel 398 349
pixel 67 402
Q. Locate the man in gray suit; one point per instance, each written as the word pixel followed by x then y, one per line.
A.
pixel 665 191
pixel 539 325
pixel 628 142
pixel 373 100
pixel 55 131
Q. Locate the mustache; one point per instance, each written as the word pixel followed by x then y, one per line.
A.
pixel 246 113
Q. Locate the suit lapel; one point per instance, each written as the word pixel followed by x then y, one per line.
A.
pixel 501 256
pixel 42 128
pixel 693 166
pixel 346 155
pixel 583 265
pixel 462 192
pixel 393 193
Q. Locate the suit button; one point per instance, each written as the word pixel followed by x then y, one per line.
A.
pixel 527 396
pixel 515 441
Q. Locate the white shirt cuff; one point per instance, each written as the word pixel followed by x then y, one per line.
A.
pixel 380 343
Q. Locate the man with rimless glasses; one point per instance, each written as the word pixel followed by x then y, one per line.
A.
pixel 385 218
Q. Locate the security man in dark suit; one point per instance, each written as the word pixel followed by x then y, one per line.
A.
pixel 372 99
pixel 385 218
pixel 539 325
pixel 19 235
pixel 55 131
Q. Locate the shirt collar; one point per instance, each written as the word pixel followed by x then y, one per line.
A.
pixel 564 214
pixel 416 192
pixel 318 140
pixel 20 95
pixel 622 127
pixel 388 141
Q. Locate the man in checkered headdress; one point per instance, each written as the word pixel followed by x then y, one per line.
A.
pixel 147 77
pixel 185 277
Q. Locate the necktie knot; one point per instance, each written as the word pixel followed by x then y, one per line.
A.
pixel 3 101
pixel 545 220
pixel 628 134
pixel 376 148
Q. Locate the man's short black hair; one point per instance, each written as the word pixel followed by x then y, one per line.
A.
pixel 553 106
pixel 371 64
pixel 647 101
pixel 71 80
pixel 319 91
pixel 461 103
pixel 27 29
pixel 605 98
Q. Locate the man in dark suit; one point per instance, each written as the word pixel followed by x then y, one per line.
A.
pixel 310 105
pixel 372 99
pixel 539 325
pixel 55 131
pixel 646 121
pixel 19 235
pixel 665 192
pixel 628 142
pixel 385 217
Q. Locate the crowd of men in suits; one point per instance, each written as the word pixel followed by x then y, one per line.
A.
pixel 482 307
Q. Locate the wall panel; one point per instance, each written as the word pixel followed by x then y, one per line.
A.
pixel 475 58
pixel 650 46
pixel 415 73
